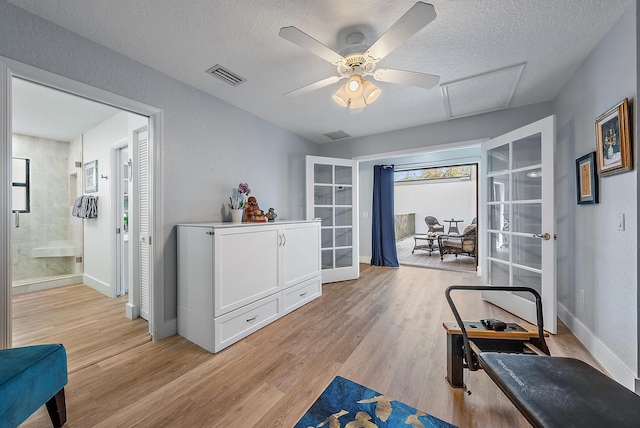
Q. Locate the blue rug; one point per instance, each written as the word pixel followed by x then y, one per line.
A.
pixel 348 404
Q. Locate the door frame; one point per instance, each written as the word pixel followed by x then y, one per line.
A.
pixel 116 192
pixel 10 69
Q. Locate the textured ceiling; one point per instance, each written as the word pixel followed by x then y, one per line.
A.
pixel 468 38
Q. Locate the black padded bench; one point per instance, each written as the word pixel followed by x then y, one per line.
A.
pixel 561 392
pixel 550 391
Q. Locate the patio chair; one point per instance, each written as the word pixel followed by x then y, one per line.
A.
pixel 459 244
pixel 433 225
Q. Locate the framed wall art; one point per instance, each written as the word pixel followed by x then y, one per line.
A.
pixel 91 176
pixel 613 140
pixel 587 179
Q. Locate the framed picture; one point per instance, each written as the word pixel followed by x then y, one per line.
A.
pixel 613 141
pixel 91 176
pixel 586 179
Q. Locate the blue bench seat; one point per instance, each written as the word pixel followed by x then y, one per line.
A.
pixel 31 376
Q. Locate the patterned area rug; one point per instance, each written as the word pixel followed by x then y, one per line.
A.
pixel 347 404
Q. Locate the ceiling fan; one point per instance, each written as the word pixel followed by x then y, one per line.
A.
pixel 354 64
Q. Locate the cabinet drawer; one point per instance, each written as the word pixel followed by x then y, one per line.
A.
pixel 240 323
pixel 301 294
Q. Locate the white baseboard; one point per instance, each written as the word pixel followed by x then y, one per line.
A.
pixel 165 329
pixel 98 285
pixel 132 311
pixel 45 284
pixel 616 368
pixel 365 259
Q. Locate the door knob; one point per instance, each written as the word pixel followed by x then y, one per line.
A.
pixel 544 236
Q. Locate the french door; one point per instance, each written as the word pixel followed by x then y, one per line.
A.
pixel 518 221
pixel 332 196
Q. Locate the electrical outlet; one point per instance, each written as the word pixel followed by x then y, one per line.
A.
pixel 582 296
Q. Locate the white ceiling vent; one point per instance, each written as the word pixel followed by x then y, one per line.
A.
pixel 225 75
pixel 482 93
pixel 337 135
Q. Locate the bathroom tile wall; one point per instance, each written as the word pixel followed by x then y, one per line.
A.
pixel 50 221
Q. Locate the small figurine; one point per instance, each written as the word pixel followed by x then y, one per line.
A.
pixel 252 212
pixel 271 215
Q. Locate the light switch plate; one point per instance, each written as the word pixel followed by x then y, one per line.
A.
pixel 621 221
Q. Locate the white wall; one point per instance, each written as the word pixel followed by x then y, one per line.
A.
pixel 98 232
pixel 592 254
pixel 443 199
pixel 210 146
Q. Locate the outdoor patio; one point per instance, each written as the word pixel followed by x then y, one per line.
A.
pixel 423 259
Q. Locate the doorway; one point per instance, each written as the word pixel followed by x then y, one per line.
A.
pixel 463 153
pixel 447 197
pixel 12 70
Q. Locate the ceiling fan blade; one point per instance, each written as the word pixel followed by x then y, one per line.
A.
pixel 313 86
pixel 410 23
pixel 307 42
pixel 409 78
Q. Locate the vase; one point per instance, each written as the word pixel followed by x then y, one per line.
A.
pixel 236 216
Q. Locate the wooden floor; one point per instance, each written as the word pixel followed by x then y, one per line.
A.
pixel 423 258
pixel 91 326
pixel 383 331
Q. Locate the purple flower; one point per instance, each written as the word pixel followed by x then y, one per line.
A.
pixel 243 189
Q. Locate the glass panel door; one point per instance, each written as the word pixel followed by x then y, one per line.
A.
pixel 520 220
pixel 332 197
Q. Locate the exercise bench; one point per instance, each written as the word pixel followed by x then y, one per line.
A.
pixel 548 391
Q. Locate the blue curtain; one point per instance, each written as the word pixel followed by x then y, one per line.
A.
pixel 383 245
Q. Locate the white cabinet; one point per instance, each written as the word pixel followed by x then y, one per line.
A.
pixel 234 279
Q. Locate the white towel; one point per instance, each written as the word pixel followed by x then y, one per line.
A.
pixel 92 207
pixel 76 206
pixel 88 207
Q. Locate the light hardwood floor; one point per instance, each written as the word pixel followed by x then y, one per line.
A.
pixel 92 326
pixel 383 330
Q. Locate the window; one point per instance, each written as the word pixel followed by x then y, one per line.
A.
pixel 20 188
pixel 433 173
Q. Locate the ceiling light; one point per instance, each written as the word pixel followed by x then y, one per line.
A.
pixel 535 174
pixel 356 93
pixel 357 103
pixel 354 86
pixel 341 97
pixel 370 92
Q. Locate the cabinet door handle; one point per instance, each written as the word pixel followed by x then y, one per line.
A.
pixel 285 239
pixel 252 319
pixel 303 294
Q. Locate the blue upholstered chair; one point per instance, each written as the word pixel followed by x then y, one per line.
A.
pixel 30 377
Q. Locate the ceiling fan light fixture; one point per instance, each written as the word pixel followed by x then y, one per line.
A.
pixel 370 92
pixel 353 87
pixel 341 97
pixel 357 103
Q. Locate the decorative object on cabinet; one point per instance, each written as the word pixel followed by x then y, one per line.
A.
pixel 216 306
pixel 237 202
pixel 613 140
pixel 271 215
pixel 252 211
pixel 586 179
pixel 91 176
pixel 236 215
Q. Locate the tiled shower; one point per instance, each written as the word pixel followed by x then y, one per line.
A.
pixel 47 242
